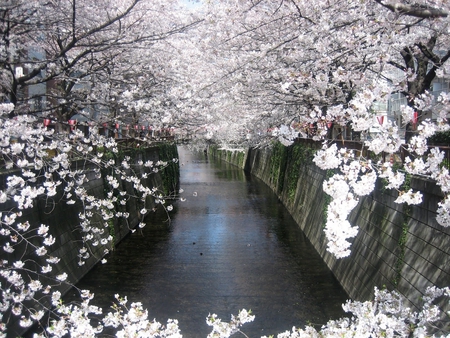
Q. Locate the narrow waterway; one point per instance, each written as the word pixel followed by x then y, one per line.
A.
pixel 230 245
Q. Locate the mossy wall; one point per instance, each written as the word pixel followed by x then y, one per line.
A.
pixel 397 247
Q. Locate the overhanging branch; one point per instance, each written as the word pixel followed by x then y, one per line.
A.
pixel 415 10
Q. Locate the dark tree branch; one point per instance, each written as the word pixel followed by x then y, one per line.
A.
pixel 73 19
pixel 300 13
pixel 418 11
pixel 397 65
pixel 408 58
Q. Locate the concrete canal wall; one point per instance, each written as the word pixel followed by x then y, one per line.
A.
pixel 63 219
pixel 398 246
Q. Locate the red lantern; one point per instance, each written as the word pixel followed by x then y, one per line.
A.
pixel 329 125
pixel 46 122
pixel 415 118
pixel 380 119
pixel 72 124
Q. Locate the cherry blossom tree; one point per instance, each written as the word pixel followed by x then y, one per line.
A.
pixel 285 61
pixel 238 73
pixel 74 48
pixel 77 49
pixel 289 63
pixel 37 164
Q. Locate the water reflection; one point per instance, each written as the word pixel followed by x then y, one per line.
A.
pixel 231 246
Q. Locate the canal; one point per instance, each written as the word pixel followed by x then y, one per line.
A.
pixel 230 245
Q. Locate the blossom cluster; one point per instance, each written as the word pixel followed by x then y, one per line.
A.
pixel 38 165
pixel 387 315
pixel 354 175
pixel 226 329
pixel 355 178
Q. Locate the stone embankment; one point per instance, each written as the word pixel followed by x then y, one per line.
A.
pixel 63 219
pixel 398 247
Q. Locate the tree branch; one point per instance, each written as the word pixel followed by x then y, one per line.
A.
pixel 415 10
pixel 397 65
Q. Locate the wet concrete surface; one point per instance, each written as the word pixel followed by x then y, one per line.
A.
pixel 230 245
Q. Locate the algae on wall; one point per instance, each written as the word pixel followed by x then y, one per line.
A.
pixel 171 174
pixel 237 157
pixel 278 162
pixel 297 155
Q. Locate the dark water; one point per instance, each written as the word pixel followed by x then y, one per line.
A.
pixel 232 246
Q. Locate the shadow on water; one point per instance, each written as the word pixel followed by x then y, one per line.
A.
pixel 230 245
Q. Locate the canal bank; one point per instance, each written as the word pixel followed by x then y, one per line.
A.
pixel 397 247
pixel 230 245
pixel 63 219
